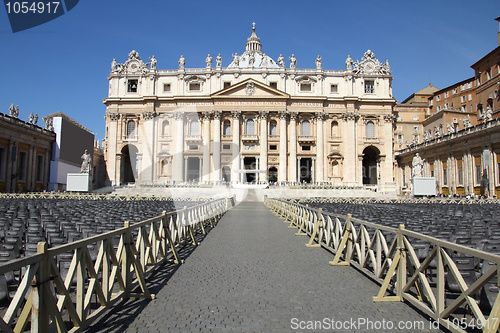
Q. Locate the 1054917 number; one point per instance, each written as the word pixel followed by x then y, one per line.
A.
pixel 32 7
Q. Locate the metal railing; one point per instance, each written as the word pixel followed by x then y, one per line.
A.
pixel 51 299
pixel 392 257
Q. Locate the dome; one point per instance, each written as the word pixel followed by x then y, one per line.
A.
pixel 253 57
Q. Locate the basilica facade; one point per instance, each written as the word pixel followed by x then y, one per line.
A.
pixel 258 120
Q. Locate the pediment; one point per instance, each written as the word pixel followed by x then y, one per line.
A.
pixel 250 88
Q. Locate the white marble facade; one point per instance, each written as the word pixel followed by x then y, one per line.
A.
pixel 256 120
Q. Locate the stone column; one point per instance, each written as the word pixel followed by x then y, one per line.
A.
pixel 147 135
pixel 351 158
pixel 235 146
pixel 489 163
pixel 216 172
pixel 263 145
pixel 469 172
pixel 178 160
pixel 205 167
pixel 283 140
pixel 387 167
pixel 185 168
pixel 112 159
pixel 451 178
pixel 320 147
pixel 292 138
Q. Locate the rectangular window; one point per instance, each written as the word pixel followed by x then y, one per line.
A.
pixel 194 86
pixel 446 94
pixel 226 147
pixel 166 87
pixel 273 85
pixel 414 118
pixel 305 87
pixel 193 147
pixel 445 177
pixel 39 168
pixel 21 167
pixel 438 98
pixel 415 128
pixel 334 88
pixel 132 85
pixel 306 147
pixel 227 84
pixel 369 87
pixel 273 147
pixel 470 97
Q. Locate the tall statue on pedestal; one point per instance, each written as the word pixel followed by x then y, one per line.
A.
pixel 417 166
pixel 86 162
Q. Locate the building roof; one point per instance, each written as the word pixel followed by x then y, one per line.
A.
pixel 253 55
pixel 429 90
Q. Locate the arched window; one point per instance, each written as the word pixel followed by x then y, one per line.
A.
pixel 273 128
pixel 306 128
pixel 227 127
pixel 194 128
pixel 335 129
pixel 166 128
pixel 131 128
pixel 250 127
pixel 370 129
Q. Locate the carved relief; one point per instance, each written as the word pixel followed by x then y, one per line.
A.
pixel 389 118
pixel 263 114
pixel 217 114
pixel 113 116
pixel 282 114
pixel 350 116
pixel 178 115
pixel 148 115
pixel 235 114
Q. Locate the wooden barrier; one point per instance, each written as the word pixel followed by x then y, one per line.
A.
pixel 48 301
pixel 389 257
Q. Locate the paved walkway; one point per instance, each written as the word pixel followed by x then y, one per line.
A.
pixel 252 274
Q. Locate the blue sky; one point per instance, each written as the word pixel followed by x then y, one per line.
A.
pixel 63 65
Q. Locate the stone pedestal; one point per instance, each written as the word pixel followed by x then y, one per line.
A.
pixel 78 182
pixel 423 186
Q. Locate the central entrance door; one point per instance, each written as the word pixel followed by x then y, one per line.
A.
pixel 250 163
pixel 305 170
pixel 193 169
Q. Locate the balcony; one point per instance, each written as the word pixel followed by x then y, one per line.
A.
pixel 193 139
pixel 306 139
pixel 249 138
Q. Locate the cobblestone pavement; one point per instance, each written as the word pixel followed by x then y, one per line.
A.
pixel 252 274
